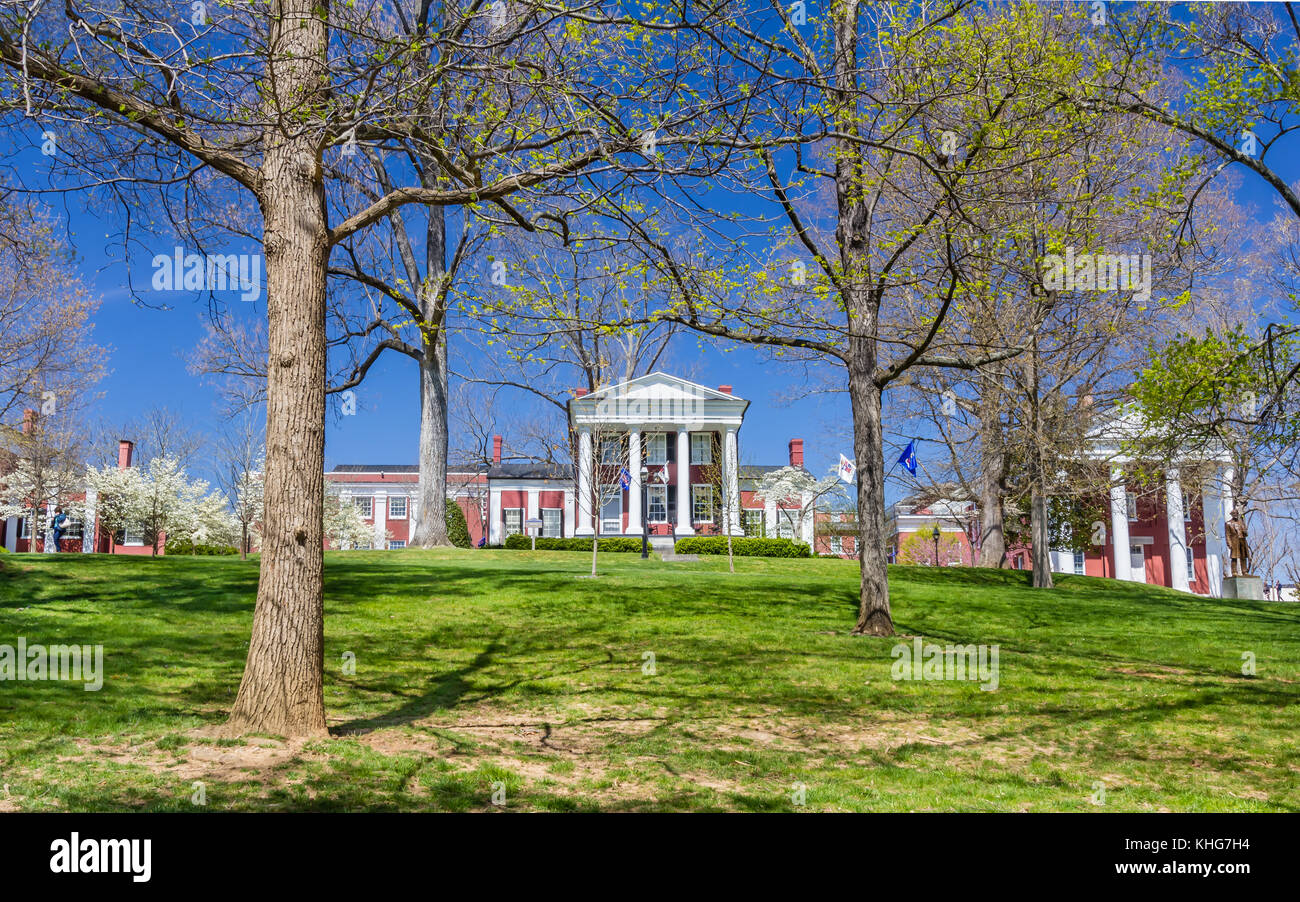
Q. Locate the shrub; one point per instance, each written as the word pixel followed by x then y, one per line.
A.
pixel 551 543
pixel 743 547
pixel 184 546
pixel 457 528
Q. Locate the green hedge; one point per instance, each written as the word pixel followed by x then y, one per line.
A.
pixel 743 547
pixel 183 546
pixel 518 542
pixel 457 528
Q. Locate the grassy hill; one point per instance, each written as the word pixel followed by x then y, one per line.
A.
pixel 482 671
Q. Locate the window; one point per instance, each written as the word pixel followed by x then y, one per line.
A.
pixel 73 529
pixel 514 520
pixel 1078 563
pixel 1191 565
pixel 610 450
pixel 657 509
pixel 25 528
pixel 785 524
pixel 656 448
pixel 394 544
pixel 755 523
pixel 397 507
pixel 1132 501
pixel 367 505
pixel 837 545
pixel 701 503
pixel 701 447
pixel 552 518
pixel 133 535
pixel 1187 507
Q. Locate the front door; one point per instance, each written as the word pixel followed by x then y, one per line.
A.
pixel 1137 563
pixel 611 510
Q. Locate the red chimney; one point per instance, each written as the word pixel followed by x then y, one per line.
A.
pixel 796 452
pixel 579 392
pixel 725 389
pixel 29 421
pixel 496 449
pixel 124 448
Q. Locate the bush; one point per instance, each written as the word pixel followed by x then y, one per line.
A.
pixel 457 528
pixel 184 546
pixel 743 547
pixel 550 543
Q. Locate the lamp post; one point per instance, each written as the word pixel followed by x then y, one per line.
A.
pixel 645 513
pixel 936 545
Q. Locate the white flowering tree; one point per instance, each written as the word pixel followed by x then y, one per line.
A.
pixel 158 500
pixel 33 491
pixel 207 520
pixel 795 485
pixel 249 500
pixel 346 526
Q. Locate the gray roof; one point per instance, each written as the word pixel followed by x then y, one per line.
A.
pixel 529 471
pixel 399 468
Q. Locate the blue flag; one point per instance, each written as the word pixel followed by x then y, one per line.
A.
pixel 625 478
pixel 908 457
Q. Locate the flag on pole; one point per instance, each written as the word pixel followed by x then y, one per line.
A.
pixel 663 475
pixel 847 470
pixel 625 478
pixel 908 457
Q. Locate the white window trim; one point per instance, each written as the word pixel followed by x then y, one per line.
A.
pixel 1191 564
pixel 126 537
pixel 656 442
pixel 367 505
pixel 1187 508
pixel 1131 506
pixel 837 544
pixel 707 445
pixel 394 544
pixel 559 512
pixel 505 521
pixel 406 507
pixel 701 485
pixel 1080 563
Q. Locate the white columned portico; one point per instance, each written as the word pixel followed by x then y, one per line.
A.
pixel 684 527
pixel 1177 531
pixel 634 488
pixel 534 508
pixel 731 472
pixel 585 527
pixel 1216 540
pixel 496 525
pixel 1119 525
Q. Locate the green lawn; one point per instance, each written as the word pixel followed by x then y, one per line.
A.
pixel 497 669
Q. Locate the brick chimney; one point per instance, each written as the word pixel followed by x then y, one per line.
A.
pixel 124 449
pixel 579 392
pixel 496 449
pixel 29 421
pixel 725 389
pixel 796 452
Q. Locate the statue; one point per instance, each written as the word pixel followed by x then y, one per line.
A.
pixel 1238 550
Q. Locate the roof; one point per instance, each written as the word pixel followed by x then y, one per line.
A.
pixel 755 471
pixel 399 468
pixel 529 471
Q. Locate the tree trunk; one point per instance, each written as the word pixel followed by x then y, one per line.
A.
pixel 1040 530
pixel 243 541
pixel 874 618
pixel 431 521
pixel 430 528
pixel 993 462
pixel 282 690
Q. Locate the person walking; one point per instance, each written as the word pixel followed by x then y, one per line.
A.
pixel 58 526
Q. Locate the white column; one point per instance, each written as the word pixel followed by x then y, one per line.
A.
pixel 634 490
pixel 1216 540
pixel 731 473
pixel 585 527
pixel 769 517
pixel 1177 531
pixel 1119 524
pixel 496 528
pixel 380 504
pixel 88 529
pixel 569 524
pixel 534 506
pixel 808 525
pixel 11 533
pixel 684 527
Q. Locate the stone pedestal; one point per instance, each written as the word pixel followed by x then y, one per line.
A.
pixel 1250 588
